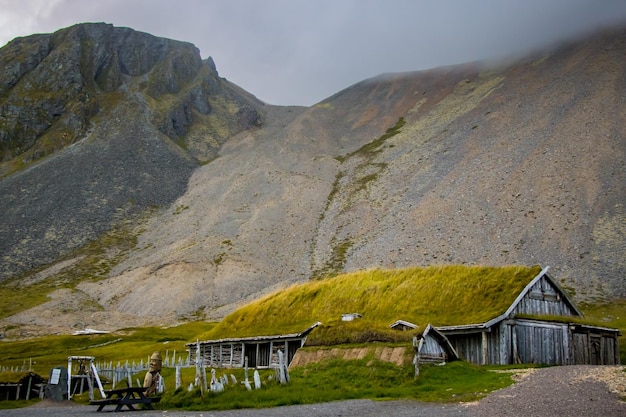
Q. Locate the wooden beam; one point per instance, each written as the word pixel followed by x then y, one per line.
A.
pixel 485 346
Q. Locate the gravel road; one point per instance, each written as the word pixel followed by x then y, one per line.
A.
pixel 582 391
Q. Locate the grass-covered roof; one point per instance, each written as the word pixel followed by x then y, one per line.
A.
pixel 439 295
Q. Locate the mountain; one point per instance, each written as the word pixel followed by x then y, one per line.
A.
pixel 99 123
pixel 140 187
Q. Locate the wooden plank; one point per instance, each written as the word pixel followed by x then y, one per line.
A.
pixel 485 349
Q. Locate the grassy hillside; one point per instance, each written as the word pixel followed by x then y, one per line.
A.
pixel 133 344
pixel 440 295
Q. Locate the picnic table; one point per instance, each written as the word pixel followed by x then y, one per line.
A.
pixel 128 397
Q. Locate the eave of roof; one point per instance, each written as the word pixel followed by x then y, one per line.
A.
pixel 257 338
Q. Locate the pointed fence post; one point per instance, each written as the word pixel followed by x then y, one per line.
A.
pixel 130 380
pixel 257 379
pixel 160 384
pixel 282 369
pixel 200 376
pixel 246 381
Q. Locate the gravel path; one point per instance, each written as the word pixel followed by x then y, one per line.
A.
pixel 582 391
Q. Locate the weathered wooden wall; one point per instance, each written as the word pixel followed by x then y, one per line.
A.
pixel 594 346
pixel 535 341
pixel 468 346
pixel 232 354
pixel 543 299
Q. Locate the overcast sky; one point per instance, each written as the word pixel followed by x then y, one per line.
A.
pixel 302 51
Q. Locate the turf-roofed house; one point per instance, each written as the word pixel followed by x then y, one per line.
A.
pixel 538 323
pixel 484 315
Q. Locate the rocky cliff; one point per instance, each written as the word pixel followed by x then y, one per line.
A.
pixel 519 163
pixel 97 124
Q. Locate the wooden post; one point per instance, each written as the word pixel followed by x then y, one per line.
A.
pixel 271 354
pixel 130 380
pixel 69 378
pixel 30 380
pixel 281 368
pixel 485 348
pixel 199 375
pixel 567 351
pixel 257 379
pixel 90 385
pixel 246 382
pixel 514 354
pixel 95 374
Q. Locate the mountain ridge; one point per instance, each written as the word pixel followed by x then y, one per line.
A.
pixel 470 164
pixel 136 120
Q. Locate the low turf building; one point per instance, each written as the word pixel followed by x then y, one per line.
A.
pixel 253 351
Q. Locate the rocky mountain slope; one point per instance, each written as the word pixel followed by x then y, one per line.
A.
pixel 227 198
pixel 98 123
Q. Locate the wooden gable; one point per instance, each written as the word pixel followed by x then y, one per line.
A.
pixel 432 346
pixel 541 297
pixel 403 325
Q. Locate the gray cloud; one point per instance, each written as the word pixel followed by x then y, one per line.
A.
pixel 300 52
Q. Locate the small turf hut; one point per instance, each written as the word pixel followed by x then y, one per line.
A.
pixel 539 326
pixel 29 386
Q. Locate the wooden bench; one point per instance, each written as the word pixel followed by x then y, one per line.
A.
pixel 126 397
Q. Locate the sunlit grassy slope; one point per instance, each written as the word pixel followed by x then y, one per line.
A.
pixel 45 353
pixel 439 295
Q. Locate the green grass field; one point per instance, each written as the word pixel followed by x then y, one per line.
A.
pixel 333 380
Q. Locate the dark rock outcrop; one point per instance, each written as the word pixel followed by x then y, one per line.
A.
pixel 93 125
